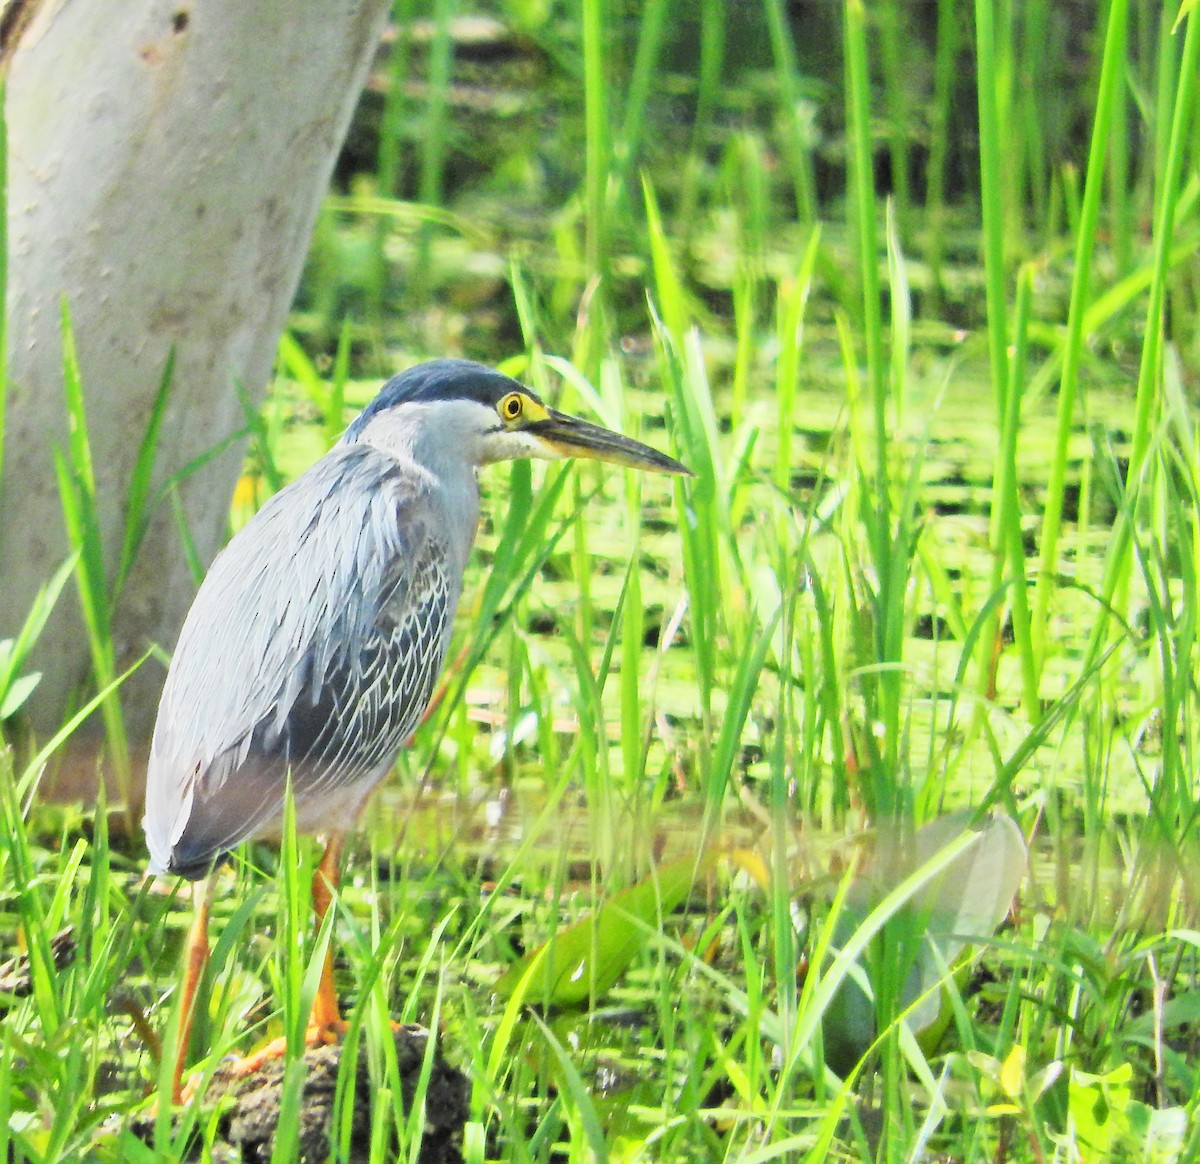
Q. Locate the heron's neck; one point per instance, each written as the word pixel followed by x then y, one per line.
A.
pixel 444 454
pixel 442 437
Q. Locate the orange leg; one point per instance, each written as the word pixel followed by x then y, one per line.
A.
pixel 325 1012
pixel 197 959
pixel 325 1023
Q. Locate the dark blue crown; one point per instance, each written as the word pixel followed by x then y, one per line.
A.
pixel 436 380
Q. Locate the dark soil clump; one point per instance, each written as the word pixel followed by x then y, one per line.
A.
pixel 253 1117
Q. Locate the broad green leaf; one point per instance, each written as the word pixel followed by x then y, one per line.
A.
pixel 586 958
pixel 1099 1107
pixel 959 907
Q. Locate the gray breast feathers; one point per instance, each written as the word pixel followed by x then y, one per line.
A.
pixel 312 650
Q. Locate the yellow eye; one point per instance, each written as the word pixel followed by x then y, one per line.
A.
pixel 511 407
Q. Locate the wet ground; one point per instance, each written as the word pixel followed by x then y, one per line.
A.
pixel 252 1105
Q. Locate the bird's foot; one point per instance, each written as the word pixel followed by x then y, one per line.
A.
pixel 317 1035
pixel 184 1096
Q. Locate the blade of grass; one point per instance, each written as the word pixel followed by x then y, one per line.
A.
pixel 1110 85
pixel 80 507
pixel 652 26
pixel 944 76
pixel 862 199
pixel 1150 366
pixel 992 198
pixel 1008 548
pixel 796 147
pixel 14 653
pixel 435 136
pixel 573 1088
pixel 596 29
pixel 137 513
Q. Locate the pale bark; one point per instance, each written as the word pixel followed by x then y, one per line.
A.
pixel 166 164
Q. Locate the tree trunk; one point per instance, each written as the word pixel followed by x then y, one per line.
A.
pixel 166 164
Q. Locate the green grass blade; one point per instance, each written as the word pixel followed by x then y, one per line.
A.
pixel 81 515
pixel 137 512
pixel 1110 86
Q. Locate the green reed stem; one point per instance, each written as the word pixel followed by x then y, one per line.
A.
pixel 890 547
pixel 1170 189
pixel 139 507
pixel 1008 547
pixel 712 58
pixel 1111 81
pixel 991 197
pixel 598 150
pixel 945 73
pixel 645 67
pixel 388 154
pixel 1028 83
pixel 434 139
pixel 81 514
pixel 1150 370
pixel 858 117
pixel 894 55
pixel 387 158
pixel 796 147
pixel 793 298
pixel 1021 616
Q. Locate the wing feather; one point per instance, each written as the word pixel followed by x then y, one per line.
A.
pixel 312 649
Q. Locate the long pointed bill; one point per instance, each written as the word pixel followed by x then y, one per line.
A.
pixel 568 436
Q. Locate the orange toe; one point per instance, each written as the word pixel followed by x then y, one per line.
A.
pixel 317 1035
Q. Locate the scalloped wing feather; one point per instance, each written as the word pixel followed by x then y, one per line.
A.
pixel 312 649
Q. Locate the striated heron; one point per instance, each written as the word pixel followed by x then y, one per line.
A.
pixel 313 646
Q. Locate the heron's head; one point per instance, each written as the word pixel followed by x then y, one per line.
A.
pixel 485 416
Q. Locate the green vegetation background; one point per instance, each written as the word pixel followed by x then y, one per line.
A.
pixel 914 290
